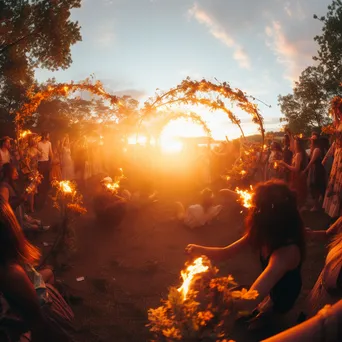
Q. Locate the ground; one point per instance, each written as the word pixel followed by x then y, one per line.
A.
pixel 129 269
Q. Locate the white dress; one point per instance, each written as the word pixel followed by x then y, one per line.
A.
pixel 196 216
pixel 67 165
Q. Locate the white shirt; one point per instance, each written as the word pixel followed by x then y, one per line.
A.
pixel 195 216
pixel 5 157
pixel 44 148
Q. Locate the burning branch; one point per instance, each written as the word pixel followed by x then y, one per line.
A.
pixel 245 197
pixel 113 186
pixel 201 309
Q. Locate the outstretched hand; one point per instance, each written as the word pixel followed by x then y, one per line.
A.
pixel 193 250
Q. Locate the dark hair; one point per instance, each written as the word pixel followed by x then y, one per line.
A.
pixel 206 198
pixel 45 135
pixel 2 141
pixel 13 245
pixel 7 171
pixel 274 220
pixel 277 146
pixel 287 140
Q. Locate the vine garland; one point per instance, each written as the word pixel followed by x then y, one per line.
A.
pixel 190 92
pixel 61 89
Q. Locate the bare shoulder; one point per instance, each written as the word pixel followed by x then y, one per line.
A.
pixel 289 256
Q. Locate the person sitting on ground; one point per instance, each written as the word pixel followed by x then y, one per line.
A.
pixel 29 303
pixel 198 215
pixel 109 207
pixel 10 194
pixel 275 230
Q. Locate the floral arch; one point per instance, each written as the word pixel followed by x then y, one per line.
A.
pixel 213 96
pixel 62 89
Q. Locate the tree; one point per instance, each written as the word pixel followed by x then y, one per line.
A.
pixel 33 33
pixel 307 107
pixel 330 48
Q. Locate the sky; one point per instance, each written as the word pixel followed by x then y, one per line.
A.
pixel 137 46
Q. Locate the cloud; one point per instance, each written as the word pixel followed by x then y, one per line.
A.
pixel 288 53
pixel 220 33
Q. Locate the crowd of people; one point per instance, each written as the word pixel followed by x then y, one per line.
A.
pixel 291 177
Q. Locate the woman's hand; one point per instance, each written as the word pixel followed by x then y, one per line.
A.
pixel 194 250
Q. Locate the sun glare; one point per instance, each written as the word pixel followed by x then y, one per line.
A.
pixel 170 138
pixel 171 145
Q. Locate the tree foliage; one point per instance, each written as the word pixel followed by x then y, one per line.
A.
pixel 33 33
pixel 307 106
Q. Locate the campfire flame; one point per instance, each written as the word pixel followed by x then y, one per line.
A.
pixel 67 187
pixel 245 196
pixel 188 275
pixel 24 134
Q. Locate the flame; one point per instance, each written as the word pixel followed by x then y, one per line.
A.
pixel 265 147
pixel 24 134
pixel 245 196
pixel 243 172
pixel 300 135
pixel 66 186
pixel 114 185
pixel 36 179
pixel 276 165
pixel 188 275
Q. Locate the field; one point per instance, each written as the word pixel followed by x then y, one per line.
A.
pixel 129 269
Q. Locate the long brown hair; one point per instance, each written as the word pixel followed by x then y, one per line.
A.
pixel 274 220
pixel 14 248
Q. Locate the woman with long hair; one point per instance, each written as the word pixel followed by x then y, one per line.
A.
pixel 276 155
pixel 298 179
pixel 10 193
pixel 25 294
pixel 316 172
pixel 67 162
pixel 275 231
pixel 333 195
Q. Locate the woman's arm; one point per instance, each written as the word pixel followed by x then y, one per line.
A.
pixel 334 229
pixel 315 155
pixel 50 152
pixel 329 154
pixel 297 162
pixel 282 260
pixel 4 193
pixel 319 328
pixel 218 253
pixel 21 296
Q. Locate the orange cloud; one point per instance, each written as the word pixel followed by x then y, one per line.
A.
pixel 287 52
pixel 220 33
